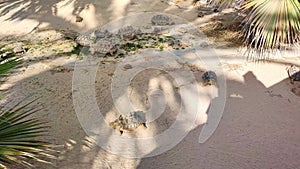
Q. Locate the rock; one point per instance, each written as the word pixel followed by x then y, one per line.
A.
pixel 216 9
pixel 200 14
pixel 18 49
pixel 161 31
pixel 69 34
pixel 79 19
pixel 127 66
pixel 60 69
pixel 204 45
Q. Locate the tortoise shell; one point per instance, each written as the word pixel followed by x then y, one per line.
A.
pixel 103 46
pixel 209 78
pixel 127 32
pixel 84 40
pixel 101 34
pixel 161 20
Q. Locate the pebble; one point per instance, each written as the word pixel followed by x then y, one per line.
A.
pixel 200 14
pixel 79 19
pixel 204 45
pixel 215 10
pixel 127 66
pixel 18 49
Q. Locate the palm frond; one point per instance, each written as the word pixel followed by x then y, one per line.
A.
pixel 7 61
pixel 18 133
pixel 18 130
pixel 271 24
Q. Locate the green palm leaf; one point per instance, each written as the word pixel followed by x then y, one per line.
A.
pixel 18 134
pixel 18 130
pixel 269 24
pixel 7 62
pixel 273 24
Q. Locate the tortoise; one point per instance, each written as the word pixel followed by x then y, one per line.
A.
pixel 161 20
pixel 88 39
pixel 101 34
pixel 129 122
pixel 293 73
pixel 84 40
pixel 103 46
pixel 127 32
pixel 209 78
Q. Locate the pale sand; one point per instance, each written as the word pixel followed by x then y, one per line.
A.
pixel 259 128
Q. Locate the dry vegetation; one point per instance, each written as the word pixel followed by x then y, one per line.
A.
pixel 224 29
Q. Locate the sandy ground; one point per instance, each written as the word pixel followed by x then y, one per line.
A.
pixel 260 124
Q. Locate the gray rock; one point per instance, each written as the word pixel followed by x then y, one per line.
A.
pixel 127 66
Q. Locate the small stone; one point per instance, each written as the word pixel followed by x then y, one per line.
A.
pixel 18 49
pixel 60 69
pixel 216 10
pixel 182 30
pixel 170 43
pixel 200 14
pixel 79 19
pixel 127 66
pixel 204 45
pixel 6 54
pixel 161 31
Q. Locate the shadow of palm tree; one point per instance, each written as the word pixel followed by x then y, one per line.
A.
pixel 46 12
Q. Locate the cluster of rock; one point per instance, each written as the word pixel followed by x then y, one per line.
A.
pixel 128 38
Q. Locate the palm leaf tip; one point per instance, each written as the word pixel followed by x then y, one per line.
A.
pixel 18 137
pixel 8 61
